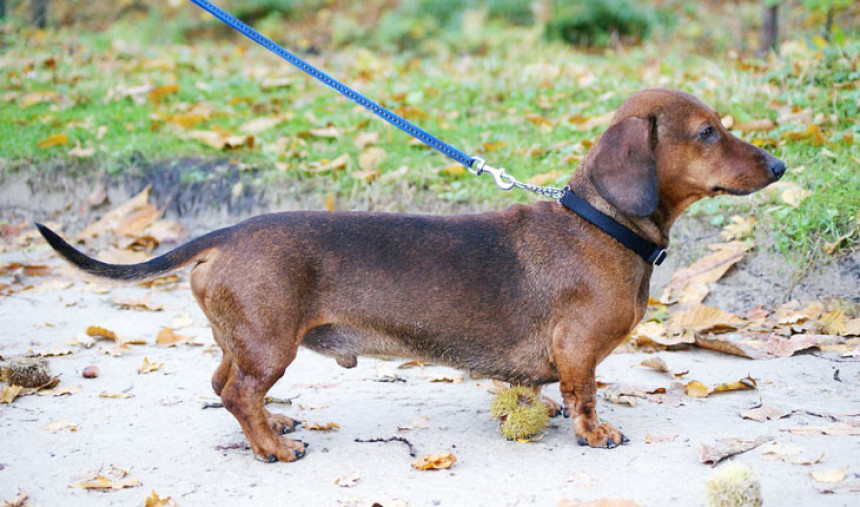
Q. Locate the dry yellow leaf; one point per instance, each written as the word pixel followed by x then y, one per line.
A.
pixel 102 482
pixel 837 429
pixel 9 393
pixel 154 500
pixel 435 461
pixel 696 389
pixel 331 426
pixel 53 140
pixel 325 132
pixel 790 453
pixel 703 318
pixel 331 165
pixel 158 94
pixel 166 336
pixel 834 322
pixel 451 379
pixel 763 125
pixel 101 333
pixel 740 385
pixel 329 202
pixel 79 152
pixel 148 366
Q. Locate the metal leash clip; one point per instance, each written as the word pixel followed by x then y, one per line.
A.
pixel 502 179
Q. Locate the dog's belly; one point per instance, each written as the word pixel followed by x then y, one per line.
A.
pixel 346 343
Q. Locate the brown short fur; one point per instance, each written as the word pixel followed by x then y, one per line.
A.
pixel 532 294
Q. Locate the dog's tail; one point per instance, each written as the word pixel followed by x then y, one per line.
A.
pixel 152 268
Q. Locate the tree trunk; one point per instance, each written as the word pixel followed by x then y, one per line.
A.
pixel 39 13
pixel 2 9
pixel 828 26
pixel 769 28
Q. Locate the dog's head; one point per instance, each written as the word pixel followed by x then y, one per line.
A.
pixel 667 147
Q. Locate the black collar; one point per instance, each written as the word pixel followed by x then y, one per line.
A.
pixel 652 253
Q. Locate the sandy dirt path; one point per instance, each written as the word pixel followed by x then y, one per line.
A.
pixel 199 457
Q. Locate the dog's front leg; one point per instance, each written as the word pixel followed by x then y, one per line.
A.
pixel 576 359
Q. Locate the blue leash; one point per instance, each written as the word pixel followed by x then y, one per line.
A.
pixel 475 165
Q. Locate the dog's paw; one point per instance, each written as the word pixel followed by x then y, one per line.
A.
pixel 288 450
pixel 282 424
pixel 603 436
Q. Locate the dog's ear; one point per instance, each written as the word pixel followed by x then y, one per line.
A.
pixel 623 169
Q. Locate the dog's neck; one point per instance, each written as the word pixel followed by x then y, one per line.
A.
pixel 654 227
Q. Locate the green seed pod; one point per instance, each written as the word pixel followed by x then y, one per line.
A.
pixel 733 485
pixel 520 412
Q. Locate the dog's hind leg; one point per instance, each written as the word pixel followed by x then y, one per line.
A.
pixel 248 381
pixel 279 423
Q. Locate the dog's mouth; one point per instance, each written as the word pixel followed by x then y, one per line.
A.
pixel 731 191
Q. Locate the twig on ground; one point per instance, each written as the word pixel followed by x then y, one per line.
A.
pixel 392 439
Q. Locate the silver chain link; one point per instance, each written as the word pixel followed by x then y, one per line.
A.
pixel 506 182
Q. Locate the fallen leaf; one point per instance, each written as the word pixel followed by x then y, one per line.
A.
pixel 166 336
pixel 129 302
pixel 364 139
pixel 183 320
pixel 154 500
pixel 707 269
pixel 59 391
pixel 790 193
pixel 158 94
pixel 764 414
pixel 9 393
pixel 347 481
pixel 58 426
pixel 702 318
pixel 739 228
pixel 411 364
pixel 101 333
pixel 148 367
pixel 696 389
pixel 53 140
pixel 325 165
pixel 434 461
pixel 324 132
pixel 743 384
pixel 20 499
pixel 790 453
pixel 763 125
pixel 79 152
pixel 331 426
pixel 451 379
pixel 723 448
pixel 118 350
pixel 370 158
pixel 105 394
pixel 113 479
pixel 830 476
pixel 258 125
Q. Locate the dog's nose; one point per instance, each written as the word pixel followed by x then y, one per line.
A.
pixel 777 169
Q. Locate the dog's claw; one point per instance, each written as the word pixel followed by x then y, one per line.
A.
pixel 610 444
pixel 271 458
pixel 624 439
pixel 566 413
pixel 299 454
pixel 581 441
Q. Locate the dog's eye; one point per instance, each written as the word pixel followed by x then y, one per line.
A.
pixel 707 133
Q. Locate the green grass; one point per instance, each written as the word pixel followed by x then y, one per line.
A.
pixel 506 94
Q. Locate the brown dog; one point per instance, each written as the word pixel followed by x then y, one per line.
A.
pixel 532 295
